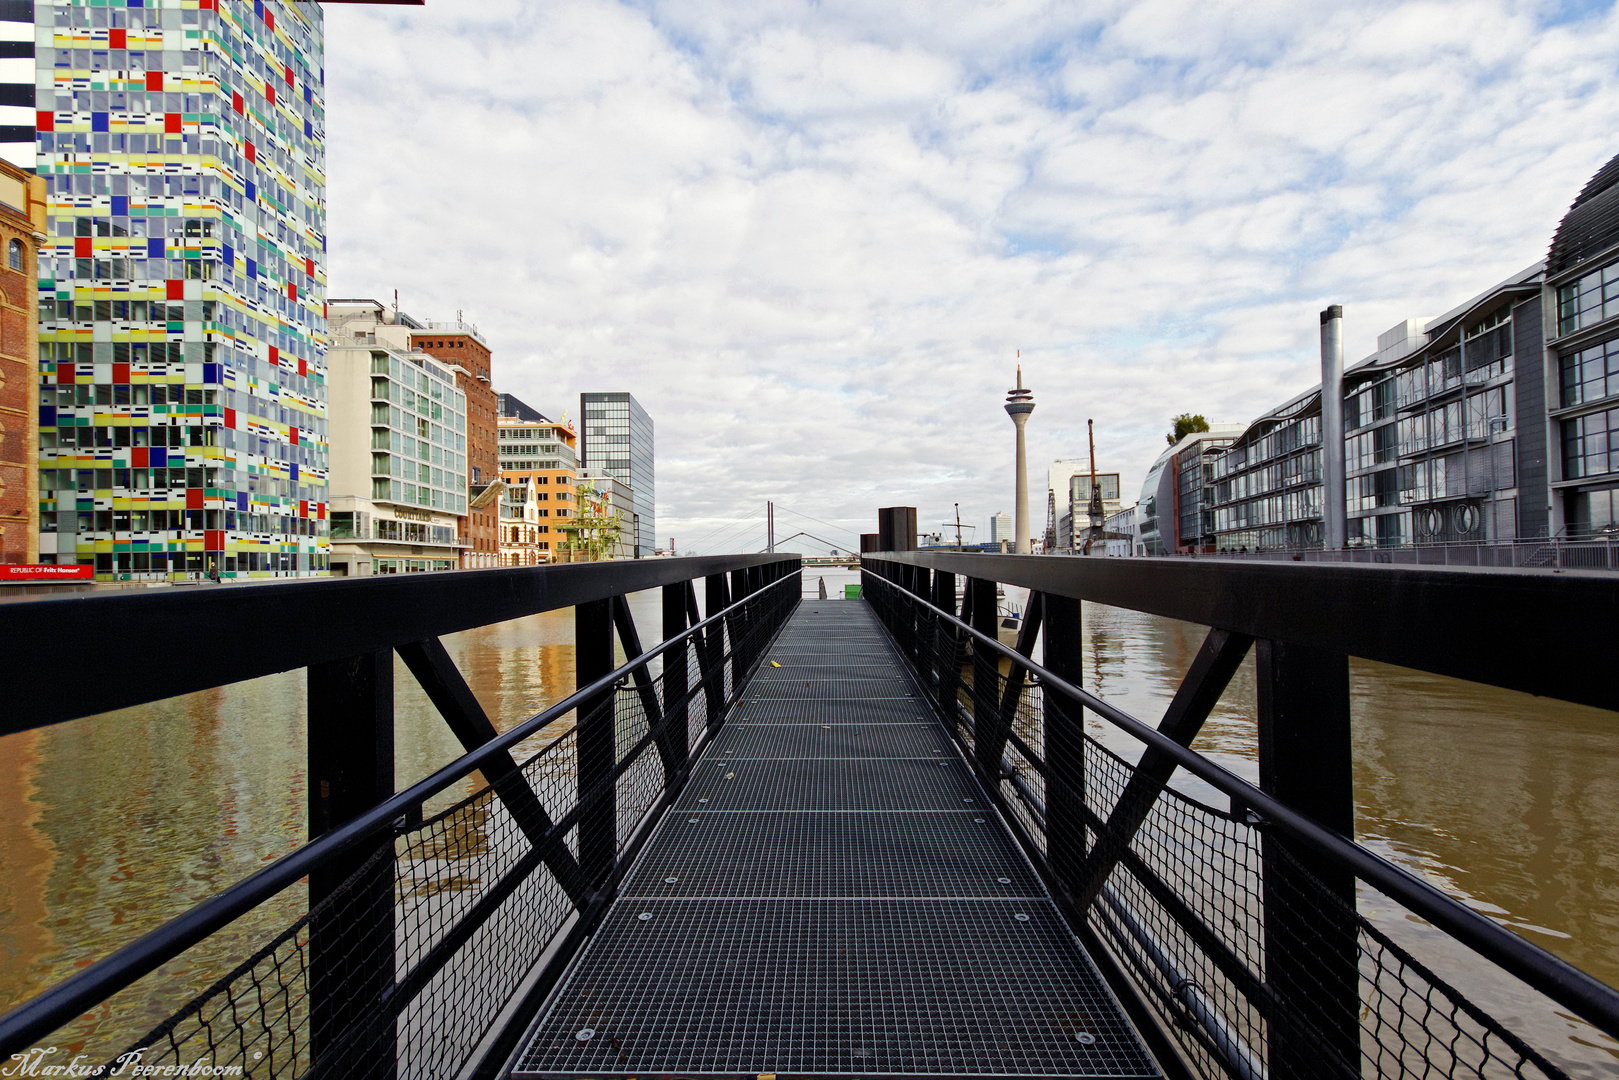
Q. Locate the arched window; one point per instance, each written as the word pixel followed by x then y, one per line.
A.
pixel 16 254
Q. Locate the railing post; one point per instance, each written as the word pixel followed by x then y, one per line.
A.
pixel 1064 724
pixel 907 613
pixel 715 600
pixel 1311 951
pixel 742 624
pixel 676 674
pixel 594 740
pixel 350 742
pixel 926 621
pixel 986 671
pixel 946 650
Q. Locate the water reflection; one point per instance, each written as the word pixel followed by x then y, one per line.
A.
pixel 111 825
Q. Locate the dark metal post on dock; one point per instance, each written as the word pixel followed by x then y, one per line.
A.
pixel 716 598
pixel 1311 950
pixel 926 654
pixel 1064 725
pixel 945 646
pixel 351 769
pixel 740 623
pixel 594 738
pixel 676 672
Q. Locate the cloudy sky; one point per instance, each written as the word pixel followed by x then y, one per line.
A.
pixel 811 238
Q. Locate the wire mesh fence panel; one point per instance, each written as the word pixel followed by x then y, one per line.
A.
pixel 1252 964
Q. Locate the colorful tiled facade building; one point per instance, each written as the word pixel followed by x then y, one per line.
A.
pixel 182 287
pixel 22 224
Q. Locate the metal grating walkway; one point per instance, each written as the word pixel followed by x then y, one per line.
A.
pixel 832 894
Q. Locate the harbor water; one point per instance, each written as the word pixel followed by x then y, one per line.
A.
pixel 113 824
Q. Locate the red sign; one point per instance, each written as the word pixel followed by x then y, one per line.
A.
pixel 39 572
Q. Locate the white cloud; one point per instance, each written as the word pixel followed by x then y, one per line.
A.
pixel 810 237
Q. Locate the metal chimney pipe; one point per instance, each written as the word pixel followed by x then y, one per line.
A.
pixel 1334 494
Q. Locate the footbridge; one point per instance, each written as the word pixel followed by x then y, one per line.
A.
pixel 824 838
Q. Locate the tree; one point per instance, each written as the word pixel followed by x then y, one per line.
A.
pixel 1184 425
pixel 595 528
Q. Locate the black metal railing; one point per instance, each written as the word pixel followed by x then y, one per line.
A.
pixel 430 934
pixel 1236 930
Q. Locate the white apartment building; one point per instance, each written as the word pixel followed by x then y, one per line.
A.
pixel 399 464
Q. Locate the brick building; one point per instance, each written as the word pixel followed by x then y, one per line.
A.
pixel 464 350
pixel 22 230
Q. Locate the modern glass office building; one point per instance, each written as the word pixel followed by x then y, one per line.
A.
pixel 1175 512
pixel 618 441
pixel 183 424
pixel 1583 398
pixel 1437 431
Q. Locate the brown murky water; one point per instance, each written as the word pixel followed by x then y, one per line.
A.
pixel 111 825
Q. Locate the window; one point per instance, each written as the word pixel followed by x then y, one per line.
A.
pixel 16 255
pixel 1586 445
pixel 1589 300
pixel 1590 374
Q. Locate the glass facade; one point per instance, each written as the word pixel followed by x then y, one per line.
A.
pixel 1429 450
pixel 181 287
pixel 418 434
pixel 1588 300
pixel 1589 374
pixel 618 440
pixel 527 449
pixel 1591 445
pixel 1454 441
pixel 1267 485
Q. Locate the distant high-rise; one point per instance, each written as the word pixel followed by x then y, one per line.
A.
pixel 617 440
pixel 182 287
pixel 1000 528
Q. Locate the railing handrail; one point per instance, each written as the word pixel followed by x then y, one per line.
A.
pixel 1556 978
pixel 42 1014
pixel 294 624
pixel 1483 625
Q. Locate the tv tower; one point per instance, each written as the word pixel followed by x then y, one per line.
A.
pixel 1019 404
